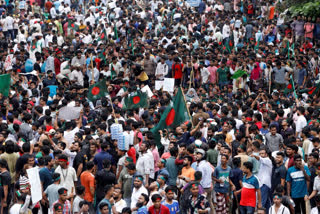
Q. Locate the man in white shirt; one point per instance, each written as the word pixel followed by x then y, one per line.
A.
pixel 145 163
pixel 301 121
pixel 119 203
pixel 204 73
pixel 9 21
pixel 264 175
pixel 67 173
pixel 76 75
pixel 53 12
pixel 162 69
pixel 137 190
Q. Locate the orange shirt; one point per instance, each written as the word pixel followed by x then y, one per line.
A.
pixel 189 173
pixel 87 180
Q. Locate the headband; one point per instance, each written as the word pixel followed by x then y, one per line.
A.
pixel 158 184
pixel 18 193
pixel 195 185
pixel 63 160
pixel 162 178
pixel 140 178
pixel 277 196
pixel 58 178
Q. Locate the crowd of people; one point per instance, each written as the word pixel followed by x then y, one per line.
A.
pixel 250 77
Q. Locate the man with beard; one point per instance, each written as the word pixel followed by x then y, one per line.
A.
pixel 187 172
pixel 119 203
pixel 108 190
pixel 137 190
pixel 145 163
pixel 279 172
pixel 141 205
pixel 204 167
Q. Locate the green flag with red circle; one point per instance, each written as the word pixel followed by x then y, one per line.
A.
pixel 98 90
pixel 137 99
pixel 174 115
pixel 72 25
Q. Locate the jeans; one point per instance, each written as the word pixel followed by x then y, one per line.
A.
pixel 265 197
pixel 246 210
pixel 222 84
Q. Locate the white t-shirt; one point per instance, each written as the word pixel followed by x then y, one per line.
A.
pixel 69 135
pixel 9 22
pixel 301 123
pixel 68 177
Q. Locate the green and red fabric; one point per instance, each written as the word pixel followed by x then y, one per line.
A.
pixel 137 100
pixel 256 45
pixel 311 91
pixel 98 90
pixel 103 36
pixel 174 115
pixel 72 25
pixel 33 46
pixel 290 87
pixel 102 55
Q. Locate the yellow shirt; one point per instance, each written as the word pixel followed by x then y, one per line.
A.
pixel 143 76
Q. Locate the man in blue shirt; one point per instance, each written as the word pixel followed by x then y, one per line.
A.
pixel 298 178
pixel 173 205
pixel 142 204
pixel 98 158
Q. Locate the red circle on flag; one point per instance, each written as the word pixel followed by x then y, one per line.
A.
pixel 170 117
pixel 95 90
pixel 136 99
pixel 33 46
pixel 289 86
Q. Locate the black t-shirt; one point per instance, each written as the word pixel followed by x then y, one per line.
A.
pixel 278 173
pixel 5 180
pixel 81 158
pixel 103 178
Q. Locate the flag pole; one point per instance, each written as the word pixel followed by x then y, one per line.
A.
pixel 294 89
pixel 184 98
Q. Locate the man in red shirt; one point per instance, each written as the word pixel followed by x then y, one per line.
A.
pixel 57 61
pixel 157 207
pixel 177 68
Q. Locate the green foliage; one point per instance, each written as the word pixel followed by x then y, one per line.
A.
pixel 305 8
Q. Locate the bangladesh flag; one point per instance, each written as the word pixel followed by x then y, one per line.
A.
pixel 102 55
pixel 313 90
pixel 5 84
pixel 72 25
pixel 174 115
pixel 290 87
pixel 33 46
pixel 103 35
pixel 98 90
pixel 138 100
